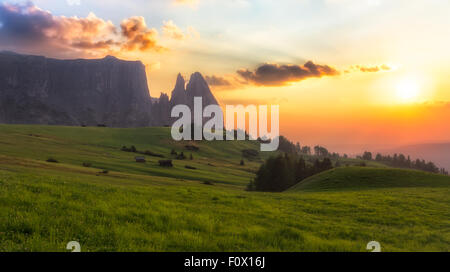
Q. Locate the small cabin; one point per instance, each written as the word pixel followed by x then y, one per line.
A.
pixel 139 159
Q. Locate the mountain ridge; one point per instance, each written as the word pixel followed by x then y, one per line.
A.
pixel 77 92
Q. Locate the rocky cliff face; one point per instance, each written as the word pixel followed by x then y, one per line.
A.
pixel 161 111
pixel 197 87
pixel 181 94
pixel 108 91
pixel 39 90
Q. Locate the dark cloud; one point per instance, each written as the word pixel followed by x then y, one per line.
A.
pixel 278 75
pixel 27 27
pixel 23 23
pixel 217 81
pixel 94 45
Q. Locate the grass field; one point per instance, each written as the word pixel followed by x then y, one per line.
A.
pixel 145 207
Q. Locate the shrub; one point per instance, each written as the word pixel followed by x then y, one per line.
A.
pixel 242 163
pixel 131 149
pixel 150 153
pixel 181 156
pixel 367 156
pixel 250 154
pixel 165 163
pixel 173 152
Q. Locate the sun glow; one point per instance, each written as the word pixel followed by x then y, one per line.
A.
pixel 408 90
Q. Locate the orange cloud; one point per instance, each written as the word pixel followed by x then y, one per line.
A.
pixel 138 35
pixel 373 69
pixel 173 31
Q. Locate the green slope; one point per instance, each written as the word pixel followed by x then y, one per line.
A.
pixel 144 207
pixel 360 178
pixel 215 161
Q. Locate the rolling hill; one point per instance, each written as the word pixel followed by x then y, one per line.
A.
pixel 117 204
pixel 363 178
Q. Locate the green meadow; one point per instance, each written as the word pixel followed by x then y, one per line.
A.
pixel 117 204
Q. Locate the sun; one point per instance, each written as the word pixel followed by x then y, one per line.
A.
pixel 407 90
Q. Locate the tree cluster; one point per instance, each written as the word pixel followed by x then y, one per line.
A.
pixel 402 161
pixel 279 173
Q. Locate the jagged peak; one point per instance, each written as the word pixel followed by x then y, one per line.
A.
pixel 180 82
pixel 196 76
pixel 195 82
pixel 178 95
pixel 198 86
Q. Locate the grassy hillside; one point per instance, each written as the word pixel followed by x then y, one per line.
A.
pixel 144 207
pixel 362 178
pixel 215 161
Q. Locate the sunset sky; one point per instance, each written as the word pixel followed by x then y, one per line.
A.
pixel 347 74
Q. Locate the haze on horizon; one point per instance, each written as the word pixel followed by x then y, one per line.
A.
pixel 347 74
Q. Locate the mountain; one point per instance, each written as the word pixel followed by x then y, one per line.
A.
pixel 39 90
pixel 197 87
pixel 161 111
pixel 108 91
pixel 183 94
pixel 179 95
